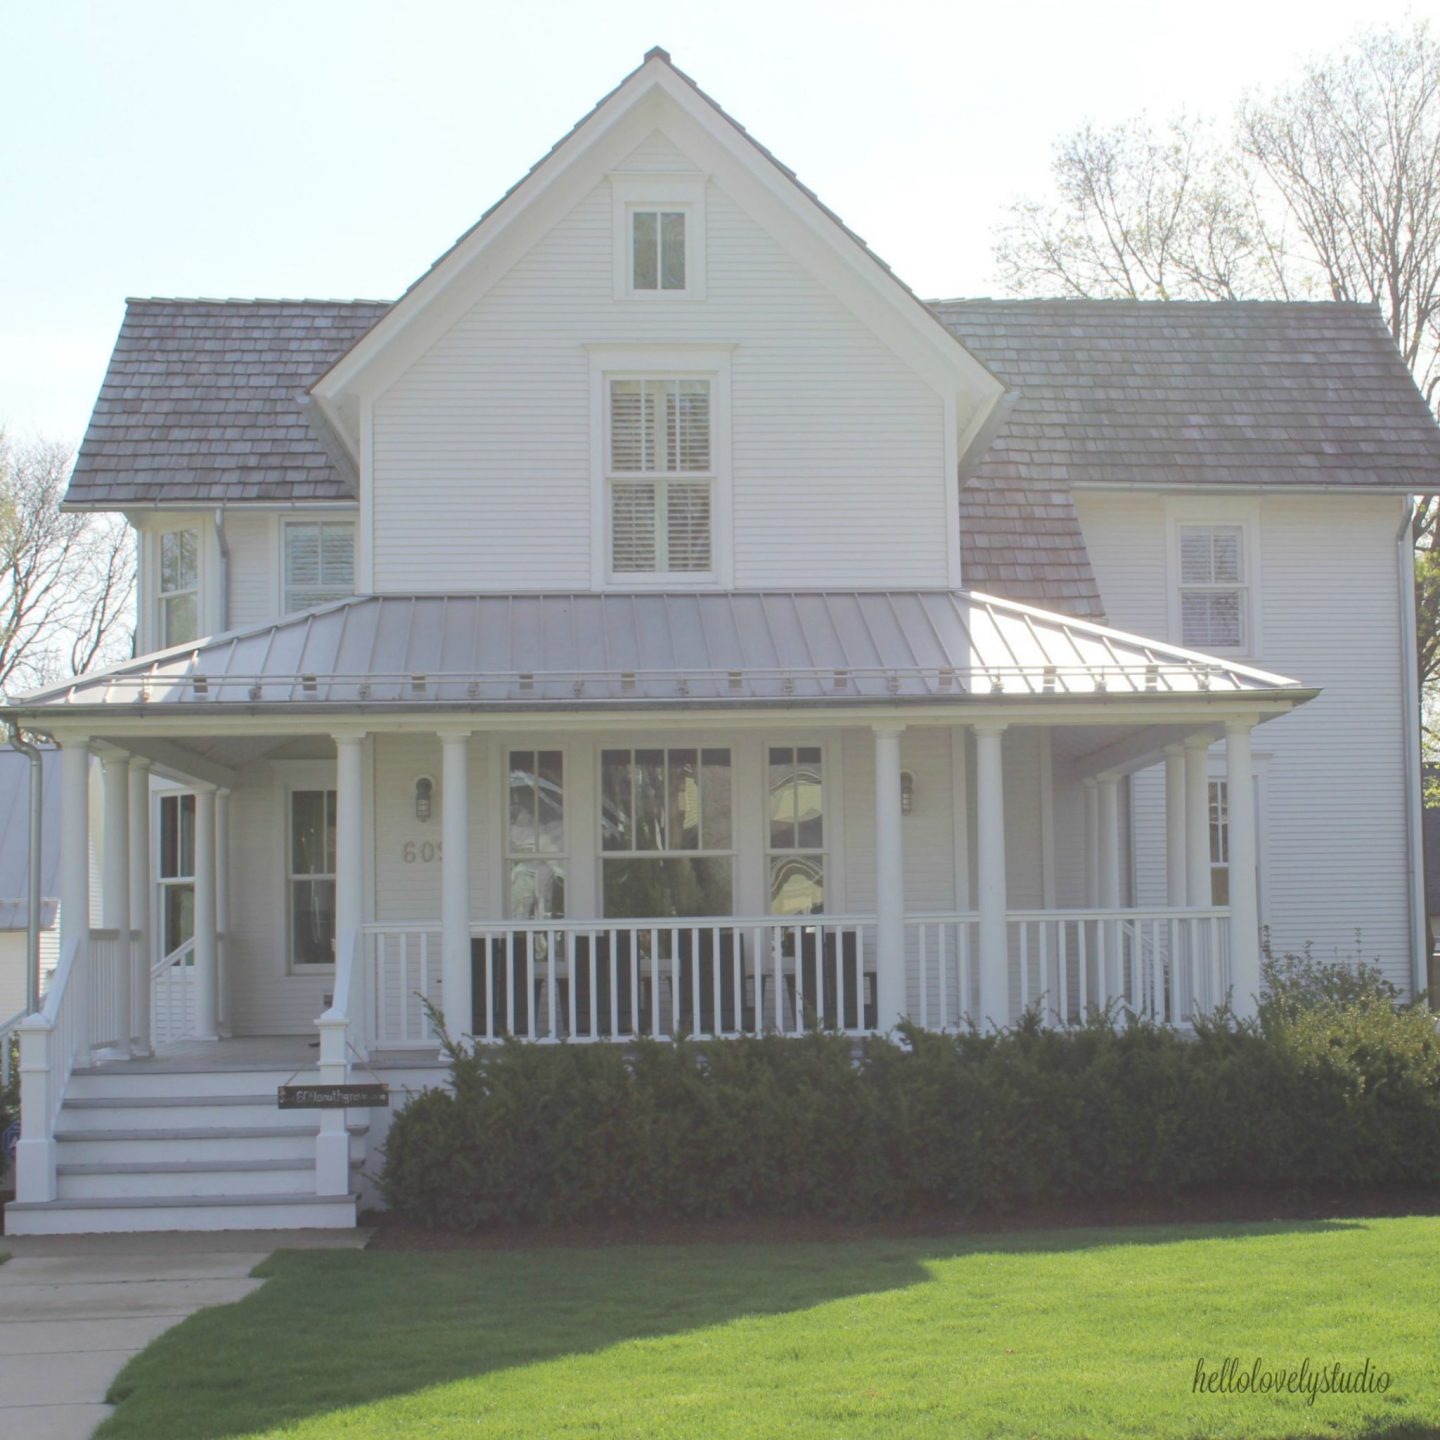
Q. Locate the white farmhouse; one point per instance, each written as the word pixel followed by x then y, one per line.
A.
pixel 660 620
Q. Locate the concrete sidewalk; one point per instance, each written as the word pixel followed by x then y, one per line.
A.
pixel 75 1308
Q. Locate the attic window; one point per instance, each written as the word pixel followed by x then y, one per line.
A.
pixel 1214 589
pixel 657 249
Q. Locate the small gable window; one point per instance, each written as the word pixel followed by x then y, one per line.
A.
pixel 1214 587
pixel 657 249
pixel 319 563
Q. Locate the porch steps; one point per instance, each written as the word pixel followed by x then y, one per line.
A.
pixel 144 1146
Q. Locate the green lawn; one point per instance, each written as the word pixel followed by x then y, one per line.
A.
pixel 1055 1333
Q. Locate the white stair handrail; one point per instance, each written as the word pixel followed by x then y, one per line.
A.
pixel 175 957
pixel 50 1039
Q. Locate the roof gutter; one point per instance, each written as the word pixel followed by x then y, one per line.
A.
pixel 1410 739
pixel 32 917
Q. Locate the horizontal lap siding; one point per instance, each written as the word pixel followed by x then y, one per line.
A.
pixel 1332 774
pixel 482 451
pixel 254 586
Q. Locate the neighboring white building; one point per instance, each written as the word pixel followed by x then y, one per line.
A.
pixel 660 620
pixel 15 874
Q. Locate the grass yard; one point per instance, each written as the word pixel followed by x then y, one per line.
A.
pixel 1054 1333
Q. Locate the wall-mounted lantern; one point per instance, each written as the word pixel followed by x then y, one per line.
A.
pixel 907 791
pixel 424 797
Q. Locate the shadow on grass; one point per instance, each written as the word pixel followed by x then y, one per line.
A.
pixel 336 1329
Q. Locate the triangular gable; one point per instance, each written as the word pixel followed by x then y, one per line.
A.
pixel 657 96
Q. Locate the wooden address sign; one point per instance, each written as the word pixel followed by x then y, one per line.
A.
pixel 333 1097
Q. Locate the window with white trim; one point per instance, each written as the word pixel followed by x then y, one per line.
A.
pixel 1219 793
pixel 535 835
pixel 179 587
pixel 1214 587
pixel 795 843
pixel 666 833
pixel 318 562
pixel 660 475
pixel 176 871
pixel 311 869
pixel 657 248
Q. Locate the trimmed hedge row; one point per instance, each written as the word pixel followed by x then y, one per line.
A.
pixel 1321 1093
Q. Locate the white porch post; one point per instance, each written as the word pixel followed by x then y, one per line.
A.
pixel 455 884
pixel 1176 879
pixel 222 909
pixel 1244 901
pixel 115 895
pixel 889 881
pixel 1091 792
pixel 207 961
pixel 140 902
pixel 1108 961
pixel 75 845
pixel 990 874
pixel 1197 822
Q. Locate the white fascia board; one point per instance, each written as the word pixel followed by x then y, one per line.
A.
pixel 656 98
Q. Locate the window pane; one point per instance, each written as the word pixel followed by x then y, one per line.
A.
pixel 308 846
pixel 177 836
pixel 715 825
pixel 1225 559
pixel 1219 823
pixel 179 560
pixel 1195 564
pixel 1212 618
pixel 683 787
pixel 672 250
pixel 550 802
pixel 632 525
pixel 782 799
pixel 1220 886
pixel 537 890
pixel 522 802
pixel 179 619
pixel 179 922
pixel 649 783
pixel 797 884
pixel 687 525
pixel 809 799
pixel 337 556
pixel 666 889
pixel 687 424
pixel 302 555
pixel 647 266
pixel 617 825
pixel 312 919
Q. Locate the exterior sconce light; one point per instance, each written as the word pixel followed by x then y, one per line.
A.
pixel 907 791
pixel 424 795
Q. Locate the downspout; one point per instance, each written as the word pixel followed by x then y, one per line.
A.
pixel 1410 715
pixel 224 545
pixel 32 918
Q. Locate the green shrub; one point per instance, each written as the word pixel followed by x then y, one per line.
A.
pixel 1334 1087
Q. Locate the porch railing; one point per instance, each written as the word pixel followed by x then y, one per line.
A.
pixel 172 995
pixel 605 981
pixel 1165 965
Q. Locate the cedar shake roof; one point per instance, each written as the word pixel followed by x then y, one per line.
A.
pixel 205 403
pixel 1165 393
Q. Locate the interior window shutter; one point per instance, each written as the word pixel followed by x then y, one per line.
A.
pixel 632 525
pixel 1195 559
pixel 337 558
pixel 688 524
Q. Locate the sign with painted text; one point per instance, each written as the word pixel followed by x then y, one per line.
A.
pixel 333 1097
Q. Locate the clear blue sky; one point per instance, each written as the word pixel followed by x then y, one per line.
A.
pixel 335 147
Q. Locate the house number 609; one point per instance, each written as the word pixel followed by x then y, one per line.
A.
pixel 425 851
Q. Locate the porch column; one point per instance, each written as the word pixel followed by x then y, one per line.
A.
pixel 1197 822
pixel 1176 877
pixel 1244 901
pixel 222 908
pixel 207 959
pixel 889 881
pixel 455 883
pixel 990 874
pixel 140 900
pixel 75 845
pixel 115 896
pixel 1091 792
pixel 1108 966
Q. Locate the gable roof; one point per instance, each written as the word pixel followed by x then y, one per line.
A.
pixel 633 651
pixel 204 402
pixel 1198 394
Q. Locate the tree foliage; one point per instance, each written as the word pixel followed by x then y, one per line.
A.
pixel 67 580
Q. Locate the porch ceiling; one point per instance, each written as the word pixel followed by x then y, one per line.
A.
pixel 584 651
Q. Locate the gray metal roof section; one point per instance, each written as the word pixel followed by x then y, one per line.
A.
pixel 15 838
pixel 204 403
pixel 1163 393
pixel 582 650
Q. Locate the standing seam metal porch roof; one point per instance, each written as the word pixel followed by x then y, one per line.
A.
pixel 635 650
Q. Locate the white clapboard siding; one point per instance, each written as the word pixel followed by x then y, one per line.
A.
pixel 1331 775
pixel 254 590
pixel 482 450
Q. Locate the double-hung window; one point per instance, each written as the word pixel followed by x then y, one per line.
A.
pixel 176 871
pixel 1214 587
pixel 667 835
pixel 657 249
pixel 179 588
pixel 660 475
pixel 1219 793
pixel 535 835
pixel 319 562
pixel 312 877
pixel 796 840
